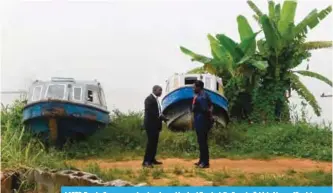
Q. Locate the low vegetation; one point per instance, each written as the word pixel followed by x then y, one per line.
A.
pixel 125 139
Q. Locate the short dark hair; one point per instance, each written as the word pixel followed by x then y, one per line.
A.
pixel 199 83
pixel 156 87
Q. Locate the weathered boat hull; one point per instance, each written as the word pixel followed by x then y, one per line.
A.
pixel 62 120
pixel 177 108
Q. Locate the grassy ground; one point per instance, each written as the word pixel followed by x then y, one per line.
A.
pixel 125 139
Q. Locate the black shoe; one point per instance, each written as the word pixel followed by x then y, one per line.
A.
pixel 147 165
pixel 155 162
pixel 203 165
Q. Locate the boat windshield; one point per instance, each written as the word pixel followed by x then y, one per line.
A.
pixel 56 91
pixel 36 93
pixel 103 98
pixel 190 80
pixel 77 93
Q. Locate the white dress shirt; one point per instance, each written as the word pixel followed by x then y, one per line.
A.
pixel 158 104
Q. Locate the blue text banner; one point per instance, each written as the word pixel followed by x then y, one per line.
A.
pixel 193 189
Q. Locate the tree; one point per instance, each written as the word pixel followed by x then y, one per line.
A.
pixel 236 63
pixel 284 48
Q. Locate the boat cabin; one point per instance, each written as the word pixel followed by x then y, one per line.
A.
pixel 68 89
pixel 211 82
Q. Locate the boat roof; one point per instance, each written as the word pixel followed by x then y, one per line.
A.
pixel 68 80
pixel 88 92
pixel 192 74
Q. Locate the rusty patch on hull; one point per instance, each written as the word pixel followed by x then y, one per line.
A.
pixel 54 111
pixel 89 116
pixel 53 127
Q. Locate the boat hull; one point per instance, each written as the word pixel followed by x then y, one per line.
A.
pixel 58 121
pixel 177 108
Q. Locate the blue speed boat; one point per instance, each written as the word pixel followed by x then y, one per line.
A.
pixel 64 108
pixel 177 102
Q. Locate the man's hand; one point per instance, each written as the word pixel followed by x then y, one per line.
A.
pixel 163 118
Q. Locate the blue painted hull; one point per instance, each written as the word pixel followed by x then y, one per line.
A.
pixel 177 108
pixel 62 120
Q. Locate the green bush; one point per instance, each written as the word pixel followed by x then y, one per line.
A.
pixel 299 140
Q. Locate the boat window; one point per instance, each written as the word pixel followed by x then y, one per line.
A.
pixel 103 98
pixel 190 80
pixel 219 87
pixel 167 87
pixel 56 91
pixel 93 97
pixel 207 82
pixel 36 93
pixel 77 93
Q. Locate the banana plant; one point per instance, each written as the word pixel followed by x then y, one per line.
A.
pixel 284 45
pixel 228 57
pixel 236 63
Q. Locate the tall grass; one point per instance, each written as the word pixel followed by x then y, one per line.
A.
pixel 19 149
pixel 126 138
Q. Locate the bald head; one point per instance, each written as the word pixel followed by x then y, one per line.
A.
pixel 157 90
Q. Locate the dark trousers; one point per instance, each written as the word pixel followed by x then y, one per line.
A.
pixel 202 136
pixel 151 147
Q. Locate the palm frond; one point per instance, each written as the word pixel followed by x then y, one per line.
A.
pixel 198 70
pixel 210 69
pixel 271 10
pixel 196 57
pixel 323 13
pixel 223 56
pixel 313 45
pixel 271 33
pixel 215 47
pixel 231 46
pixel 277 12
pixel 248 45
pixel 203 69
pixel 287 15
pixel 288 35
pixel 244 28
pixel 302 91
pixel 315 75
pixel 311 20
pixel 254 8
pixel 247 36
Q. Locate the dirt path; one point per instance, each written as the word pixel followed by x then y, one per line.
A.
pixel 175 171
pixel 247 165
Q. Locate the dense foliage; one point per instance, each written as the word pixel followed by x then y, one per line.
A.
pixel 256 80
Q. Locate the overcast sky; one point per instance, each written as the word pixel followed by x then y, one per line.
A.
pixel 128 45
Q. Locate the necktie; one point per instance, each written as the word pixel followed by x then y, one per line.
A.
pixel 159 107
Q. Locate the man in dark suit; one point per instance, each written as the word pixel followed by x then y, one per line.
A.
pixel 153 124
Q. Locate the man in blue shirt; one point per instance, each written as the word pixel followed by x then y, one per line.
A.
pixel 202 108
